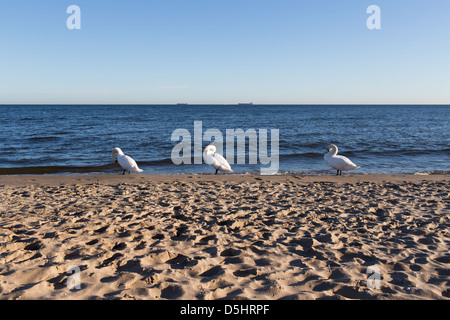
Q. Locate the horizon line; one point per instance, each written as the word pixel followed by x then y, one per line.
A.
pixel 224 104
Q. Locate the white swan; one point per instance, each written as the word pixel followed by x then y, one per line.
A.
pixel 340 163
pixel 126 162
pixel 216 160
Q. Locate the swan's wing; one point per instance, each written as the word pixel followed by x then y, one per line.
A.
pixel 333 162
pixel 220 163
pixel 344 163
pixel 128 163
pixel 345 160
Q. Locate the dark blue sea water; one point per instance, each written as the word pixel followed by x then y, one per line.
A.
pixel 80 138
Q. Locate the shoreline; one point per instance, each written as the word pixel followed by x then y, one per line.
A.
pixel 225 236
pixel 21 180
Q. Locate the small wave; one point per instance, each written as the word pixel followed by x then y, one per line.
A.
pixel 155 162
pixel 49 138
pixel 59 169
pixel 294 173
pixel 62 132
pixel 107 168
pixel 395 152
pixel 427 173
pixel 310 155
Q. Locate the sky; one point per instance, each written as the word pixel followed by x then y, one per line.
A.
pixel 225 52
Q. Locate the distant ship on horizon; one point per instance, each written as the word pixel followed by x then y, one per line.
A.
pixel 245 103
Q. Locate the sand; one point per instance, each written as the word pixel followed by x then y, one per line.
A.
pixel 225 237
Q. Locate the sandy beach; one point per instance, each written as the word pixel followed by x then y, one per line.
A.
pixel 225 237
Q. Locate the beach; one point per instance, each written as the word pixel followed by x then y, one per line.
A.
pixel 225 236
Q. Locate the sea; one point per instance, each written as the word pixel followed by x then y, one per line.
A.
pixel 78 139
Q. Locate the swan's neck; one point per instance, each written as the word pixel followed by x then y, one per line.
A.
pixel 333 151
pixel 115 154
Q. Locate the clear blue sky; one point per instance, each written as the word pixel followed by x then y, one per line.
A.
pixel 225 51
